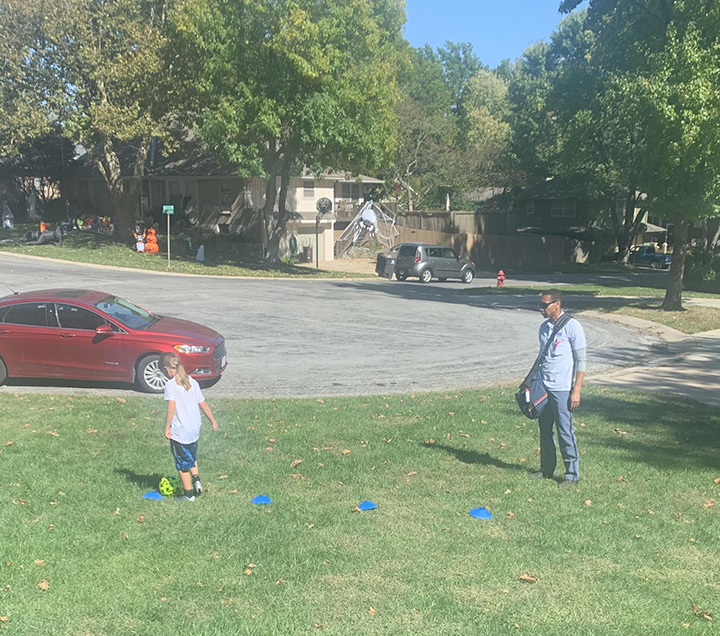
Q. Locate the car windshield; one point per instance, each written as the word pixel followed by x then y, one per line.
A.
pixel 129 315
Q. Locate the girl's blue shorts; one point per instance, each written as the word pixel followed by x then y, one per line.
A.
pixel 185 455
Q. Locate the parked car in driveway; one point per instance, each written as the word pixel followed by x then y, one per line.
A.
pixel 89 335
pixel 648 255
pixel 429 261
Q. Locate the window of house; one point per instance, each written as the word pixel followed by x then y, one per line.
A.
pixel 309 189
pixel 563 208
pixel 145 195
pixel 225 192
pixel 351 191
pixel 530 207
pixel 175 193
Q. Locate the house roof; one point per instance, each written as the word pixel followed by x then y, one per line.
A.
pixel 189 160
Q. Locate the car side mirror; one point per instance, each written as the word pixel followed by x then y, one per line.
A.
pixel 103 330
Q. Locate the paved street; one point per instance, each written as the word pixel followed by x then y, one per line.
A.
pixel 338 337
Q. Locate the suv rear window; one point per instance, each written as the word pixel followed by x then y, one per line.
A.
pixel 407 250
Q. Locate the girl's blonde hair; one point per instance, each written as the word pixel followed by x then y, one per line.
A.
pixel 170 360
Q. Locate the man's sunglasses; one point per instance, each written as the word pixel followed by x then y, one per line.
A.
pixel 543 305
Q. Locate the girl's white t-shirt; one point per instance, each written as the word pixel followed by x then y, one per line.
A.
pixel 185 425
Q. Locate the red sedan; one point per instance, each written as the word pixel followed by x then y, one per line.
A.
pixel 88 335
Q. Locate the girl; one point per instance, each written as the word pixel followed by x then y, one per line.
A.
pixel 182 425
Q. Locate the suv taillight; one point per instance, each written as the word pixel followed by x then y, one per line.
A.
pixel 417 255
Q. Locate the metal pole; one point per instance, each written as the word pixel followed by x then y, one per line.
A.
pixel 168 240
pixel 317 255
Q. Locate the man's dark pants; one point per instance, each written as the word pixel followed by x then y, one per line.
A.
pixel 557 412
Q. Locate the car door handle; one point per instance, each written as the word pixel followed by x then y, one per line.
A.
pixel 67 335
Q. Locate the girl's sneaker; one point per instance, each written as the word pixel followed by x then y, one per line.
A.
pixel 185 498
pixel 198 487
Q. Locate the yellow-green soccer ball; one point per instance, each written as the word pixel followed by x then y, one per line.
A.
pixel 169 486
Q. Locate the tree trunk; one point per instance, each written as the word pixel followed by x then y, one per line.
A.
pixel 673 294
pixel 123 205
pixel 273 252
pixel 268 213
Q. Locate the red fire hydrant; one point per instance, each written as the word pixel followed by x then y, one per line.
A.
pixel 500 278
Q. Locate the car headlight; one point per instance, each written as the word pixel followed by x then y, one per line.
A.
pixel 186 348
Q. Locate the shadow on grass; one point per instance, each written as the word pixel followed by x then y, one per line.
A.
pixel 664 431
pixel 143 481
pixel 473 457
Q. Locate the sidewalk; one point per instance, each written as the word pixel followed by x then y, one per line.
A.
pixel 349 265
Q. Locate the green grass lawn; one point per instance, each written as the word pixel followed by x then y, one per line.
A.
pixel 223 256
pixel 694 319
pixel 634 550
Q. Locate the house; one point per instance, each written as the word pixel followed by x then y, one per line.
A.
pixel 213 196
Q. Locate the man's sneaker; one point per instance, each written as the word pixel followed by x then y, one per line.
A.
pixel 197 485
pixel 539 475
pixel 185 498
pixel 567 483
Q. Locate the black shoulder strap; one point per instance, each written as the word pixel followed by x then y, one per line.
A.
pixel 561 322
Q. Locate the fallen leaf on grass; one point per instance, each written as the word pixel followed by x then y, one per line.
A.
pixel 320 626
pixel 117 511
pixel 510 514
pixel 233 491
pixel 297 476
pixel 618 431
pixel 528 578
pixel 588 502
pixel 92 430
pixel 717 481
pixel 709 503
pixel 44 585
pixel 319 401
pixel 347 451
pixel 372 611
pixel 222 477
pixel 411 473
pixel 22 502
pixel 268 448
pixel 4 619
pixel 622 479
pixel 247 571
pixel 272 440
pixel 53 433
pixel 700 613
pixel 39 561
pixel 295 462
pixel 279 581
pixel 463 435
pixel 121 400
pixel 9 443
pixel 141 518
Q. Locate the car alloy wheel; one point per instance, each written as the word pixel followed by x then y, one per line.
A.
pixel 3 372
pixel 426 275
pixel 150 377
pixel 467 276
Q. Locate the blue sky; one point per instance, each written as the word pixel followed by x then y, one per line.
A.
pixel 497 29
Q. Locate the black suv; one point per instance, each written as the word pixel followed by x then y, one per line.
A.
pixel 425 262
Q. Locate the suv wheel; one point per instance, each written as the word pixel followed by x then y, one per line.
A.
pixel 400 276
pixel 150 377
pixel 426 275
pixel 467 276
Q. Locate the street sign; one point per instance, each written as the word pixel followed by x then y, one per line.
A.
pixel 168 209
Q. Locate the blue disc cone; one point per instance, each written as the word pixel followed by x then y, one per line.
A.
pixel 151 494
pixel 367 505
pixel 480 513
pixel 261 499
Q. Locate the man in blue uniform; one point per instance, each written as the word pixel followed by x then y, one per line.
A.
pixel 563 371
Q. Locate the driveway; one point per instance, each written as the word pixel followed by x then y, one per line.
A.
pixel 294 338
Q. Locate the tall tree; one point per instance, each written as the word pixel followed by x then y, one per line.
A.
pixel 289 84
pixel 663 61
pixel 98 70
